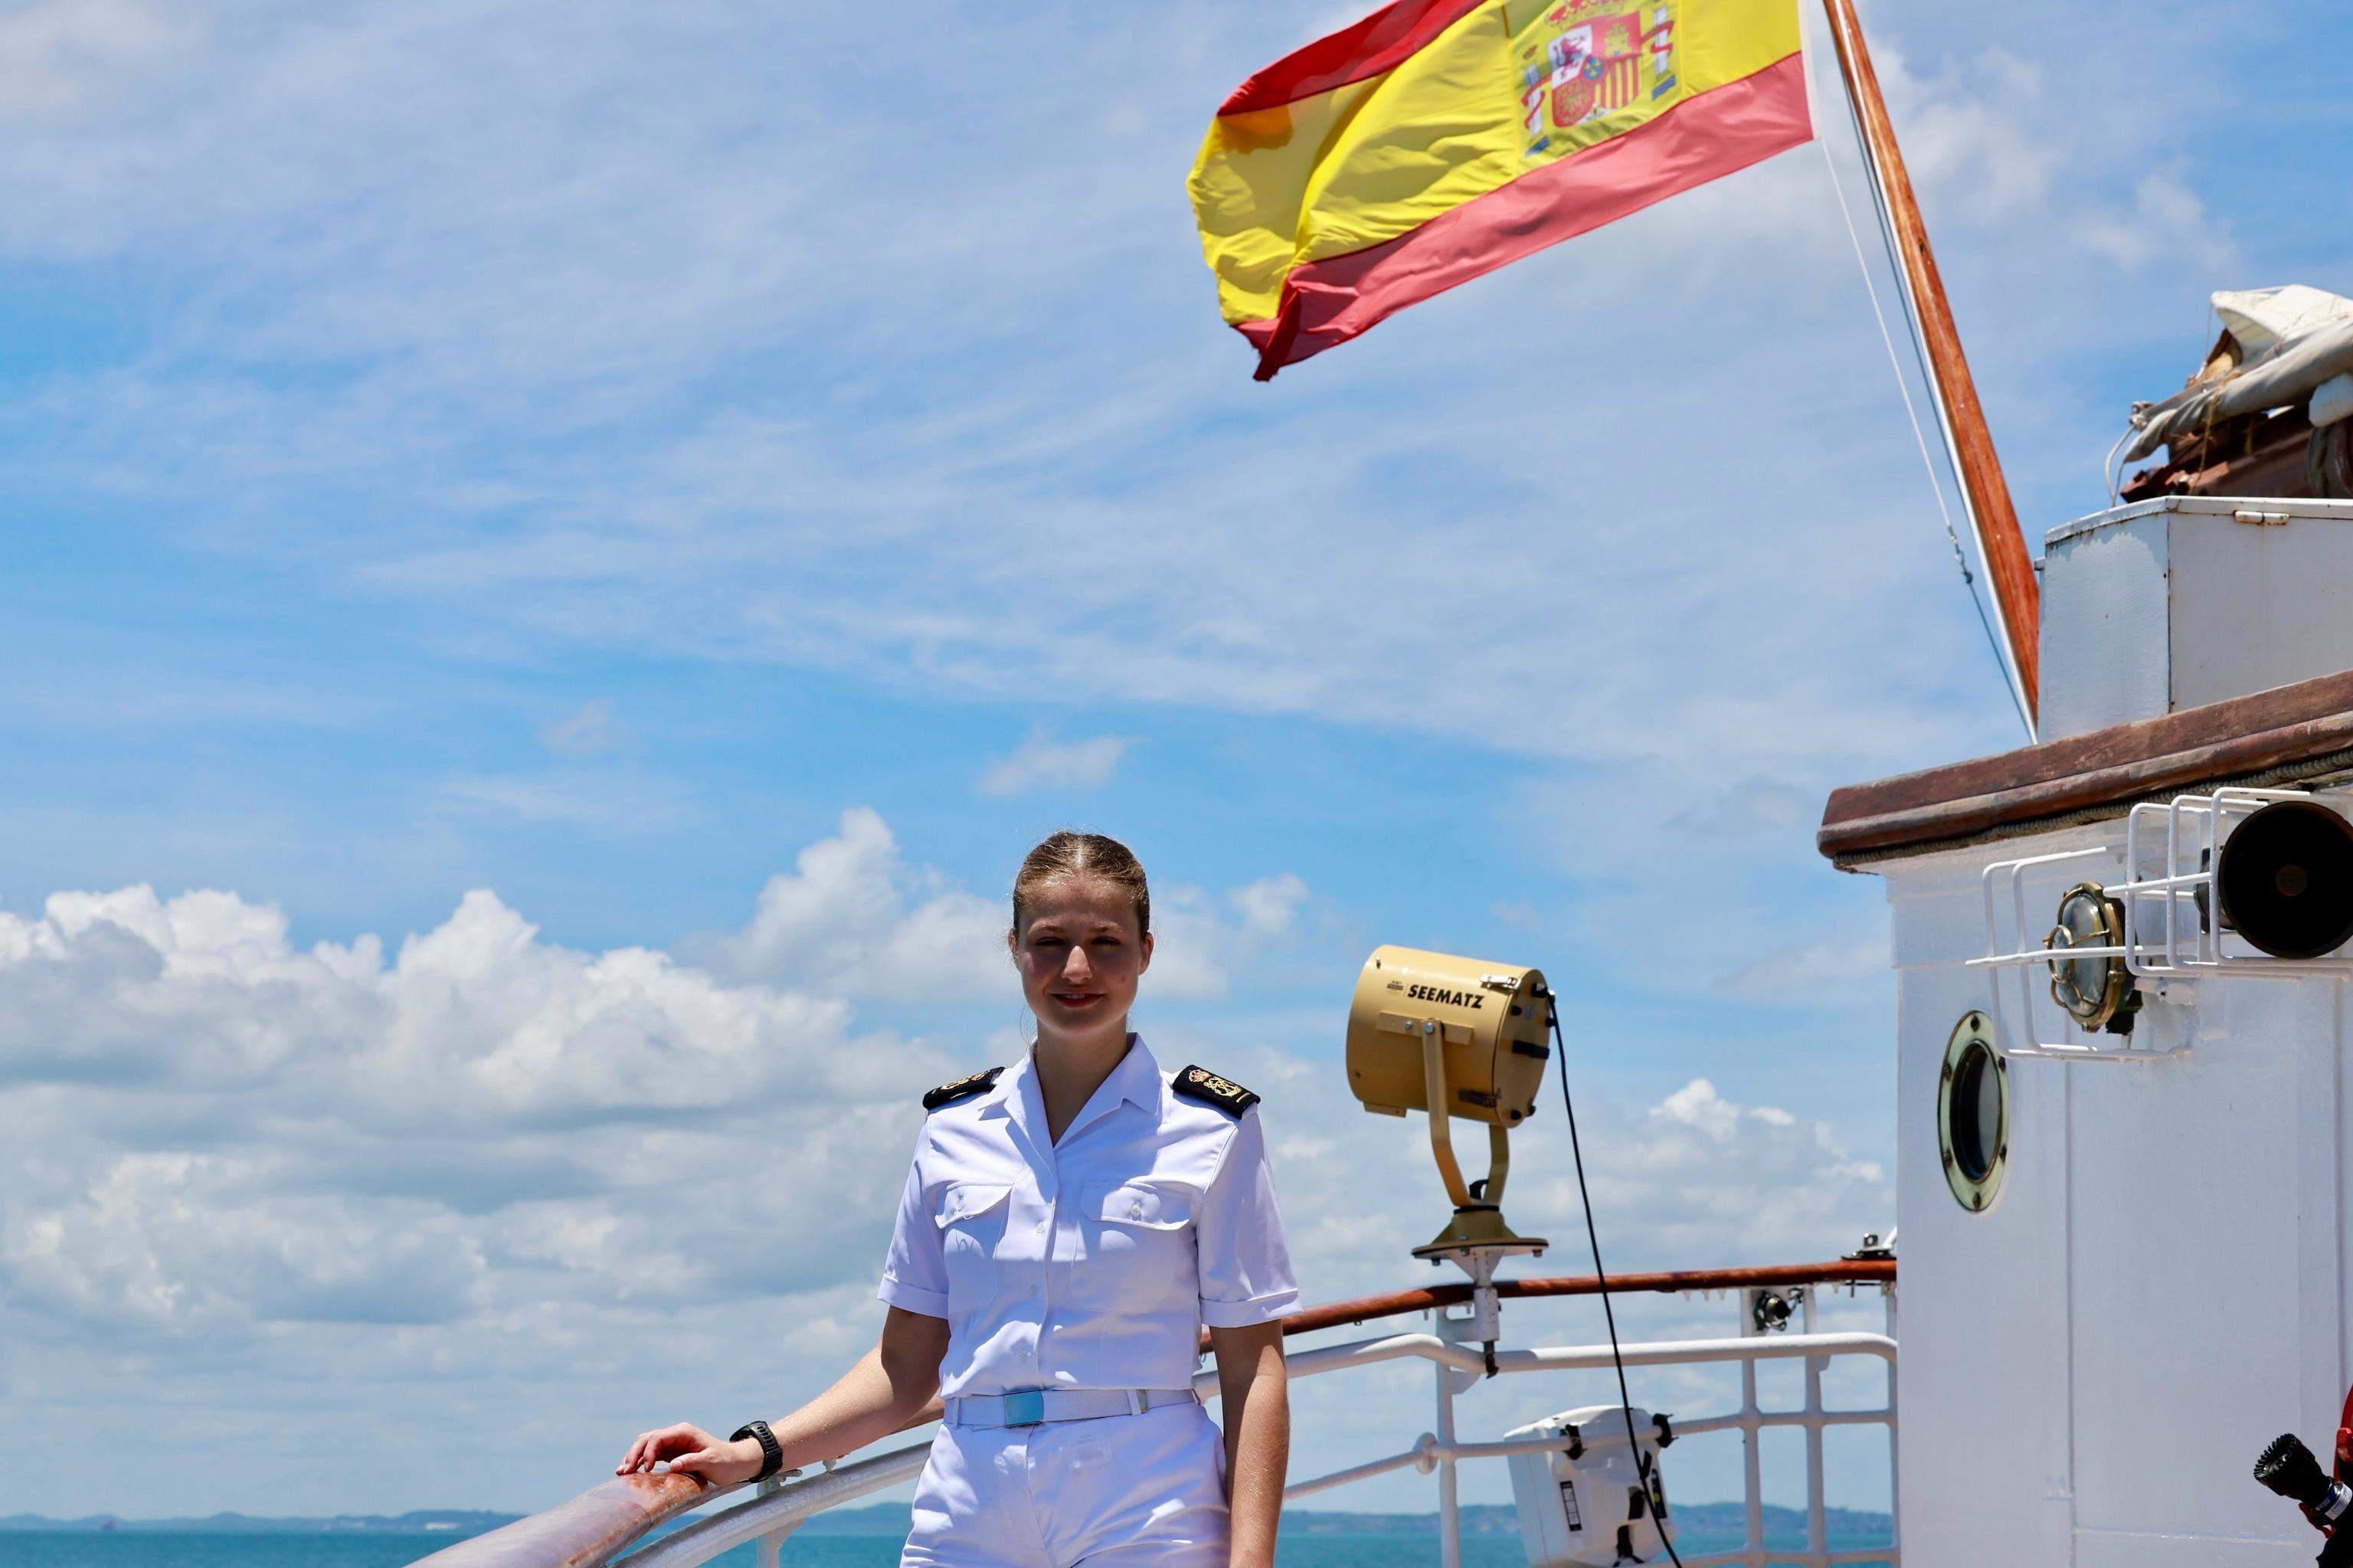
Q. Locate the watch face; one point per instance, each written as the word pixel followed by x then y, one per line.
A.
pixel 772 1454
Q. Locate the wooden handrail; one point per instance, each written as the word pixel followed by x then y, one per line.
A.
pixel 610 1515
pixel 2301 727
pixel 1400 1303
pixel 588 1530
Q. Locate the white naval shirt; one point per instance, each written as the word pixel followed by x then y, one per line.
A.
pixel 1090 1263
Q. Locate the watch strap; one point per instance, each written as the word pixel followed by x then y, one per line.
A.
pixel 772 1454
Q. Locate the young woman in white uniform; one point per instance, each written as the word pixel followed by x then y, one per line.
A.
pixel 1068 1227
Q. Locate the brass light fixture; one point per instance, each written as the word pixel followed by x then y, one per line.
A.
pixel 2096 991
pixel 1453 1037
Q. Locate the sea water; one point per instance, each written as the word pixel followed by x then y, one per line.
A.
pixel 388 1549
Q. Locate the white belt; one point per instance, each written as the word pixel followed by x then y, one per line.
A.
pixel 1035 1406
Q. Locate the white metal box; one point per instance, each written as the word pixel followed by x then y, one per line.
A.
pixel 2188 599
pixel 1592 1507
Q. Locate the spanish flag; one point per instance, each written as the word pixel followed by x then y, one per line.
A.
pixel 1437 139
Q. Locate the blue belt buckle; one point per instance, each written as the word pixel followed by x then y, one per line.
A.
pixel 1025 1407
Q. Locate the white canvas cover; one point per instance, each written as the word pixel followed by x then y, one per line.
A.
pixel 2291 340
pixel 2262 319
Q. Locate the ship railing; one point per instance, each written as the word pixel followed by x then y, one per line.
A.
pixel 600 1527
pixel 1462 1361
pixel 2164 888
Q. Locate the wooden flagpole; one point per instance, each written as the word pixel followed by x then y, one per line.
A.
pixel 2017 595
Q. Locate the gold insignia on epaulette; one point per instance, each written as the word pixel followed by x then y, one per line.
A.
pixel 962 1089
pixel 1202 1085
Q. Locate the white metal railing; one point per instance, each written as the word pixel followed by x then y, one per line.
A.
pixel 781 1510
pixel 2190 840
pixel 2014 958
pixel 2172 933
pixel 1459 1360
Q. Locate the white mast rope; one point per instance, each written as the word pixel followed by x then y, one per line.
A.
pixel 1997 640
pixel 2111 472
pixel 2004 655
pixel 2110 480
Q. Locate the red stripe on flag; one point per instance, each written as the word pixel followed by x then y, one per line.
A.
pixel 1381 42
pixel 1715 133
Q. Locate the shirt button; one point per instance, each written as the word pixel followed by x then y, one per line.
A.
pixel 1041 1226
pixel 1136 1211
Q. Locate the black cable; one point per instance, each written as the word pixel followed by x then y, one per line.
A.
pixel 1625 1401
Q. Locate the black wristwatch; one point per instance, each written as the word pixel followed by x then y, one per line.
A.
pixel 772 1457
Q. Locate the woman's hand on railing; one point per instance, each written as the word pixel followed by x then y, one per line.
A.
pixel 690 1449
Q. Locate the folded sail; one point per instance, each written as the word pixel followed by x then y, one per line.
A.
pixel 1437 139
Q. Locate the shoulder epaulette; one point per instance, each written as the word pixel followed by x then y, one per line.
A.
pixel 1202 1085
pixel 962 1089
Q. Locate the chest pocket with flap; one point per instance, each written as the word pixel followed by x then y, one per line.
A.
pixel 971 1217
pixel 1142 1204
pixel 1139 1241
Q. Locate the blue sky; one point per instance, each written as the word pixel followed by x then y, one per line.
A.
pixel 504 481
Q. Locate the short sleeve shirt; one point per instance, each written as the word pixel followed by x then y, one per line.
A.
pixel 1094 1261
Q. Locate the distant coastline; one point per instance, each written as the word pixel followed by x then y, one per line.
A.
pixel 891 1519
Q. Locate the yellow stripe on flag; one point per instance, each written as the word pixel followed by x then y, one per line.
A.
pixel 1364 139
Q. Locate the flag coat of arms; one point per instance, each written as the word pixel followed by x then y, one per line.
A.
pixel 1437 139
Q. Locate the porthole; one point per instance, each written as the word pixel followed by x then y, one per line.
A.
pixel 1973 1113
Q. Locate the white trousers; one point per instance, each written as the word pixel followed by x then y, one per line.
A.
pixel 1122 1491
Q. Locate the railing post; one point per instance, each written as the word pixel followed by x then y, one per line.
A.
pixel 1450 1518
pixel 1751 1433
pixel 772 1545
pixel 1818 1545
pixel 1482 1325
pixel 1894 1477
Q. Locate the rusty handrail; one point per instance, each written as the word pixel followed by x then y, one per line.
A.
pixel 586 1531
pixel 608 1517
pixel 1399 1303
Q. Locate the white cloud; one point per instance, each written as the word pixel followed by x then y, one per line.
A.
pixel 1966 133
pixel 1753 807
pixel 591 730
pixel 851 918
pixel 182 1243
pixel 2166 219
pixel 1699 1171
pixel 623 801
pixel 63 56
pixel 1697 1104
pixel 1269 905
pixel 1043 762
pixel 473 1169
pixel 474 1022
pixel 1804 970
pixel 243 1166
pixel 507 352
